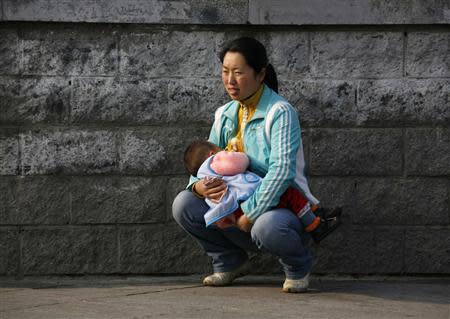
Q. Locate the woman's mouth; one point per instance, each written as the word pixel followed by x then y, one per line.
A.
pixel 233 91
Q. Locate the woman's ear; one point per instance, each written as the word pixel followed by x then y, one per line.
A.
pixel 261 75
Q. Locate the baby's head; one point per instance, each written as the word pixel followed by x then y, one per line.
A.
pixel 196 153
pixel 224 163
pixel 229 163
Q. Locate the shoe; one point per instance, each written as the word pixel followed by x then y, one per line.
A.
pixel 296 285
pixel 329 221
pixel 226 278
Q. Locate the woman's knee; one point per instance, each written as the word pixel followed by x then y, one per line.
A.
pixel 186 206
pixel 179 205
pixel 274 227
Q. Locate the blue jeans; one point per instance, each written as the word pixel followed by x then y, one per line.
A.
pixel 277 231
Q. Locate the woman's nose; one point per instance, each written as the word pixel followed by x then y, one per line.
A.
pixel 231 79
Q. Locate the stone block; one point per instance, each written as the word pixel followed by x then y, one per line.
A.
pixel 322 102
pixel 70 51
pixel 34 100
pixel 289 53
pixel 118 200
pixel 356 152
pixel 427 54
pixel 335 192
pixel 389 250
pixel 357 54
pixel 429 12
pixel 9 151
pixel 156 150
pixel 387 201
pixel 9 51
pixel 129 11
pixel 138 101
pixel 9 251
pixel 168 54
pixel 157 249
pixel 348 12
pixel 69 250
pixel 264 264
pixel 361 250
pixel 68 151
pixel 349 250
pixel 427 250
pixel 427 151
pixel 8 200
pixel 224 36
pixel 43 200
pixel 403 102
pixel 195 101
pixel 211 12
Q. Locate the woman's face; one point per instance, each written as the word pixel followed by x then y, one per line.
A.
pixel 240 79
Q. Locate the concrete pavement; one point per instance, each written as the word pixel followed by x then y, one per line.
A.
pixel 249 297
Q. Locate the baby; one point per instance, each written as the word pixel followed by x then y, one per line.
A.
pixel 206 160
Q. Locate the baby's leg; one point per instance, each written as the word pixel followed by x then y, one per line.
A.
pixel 227 221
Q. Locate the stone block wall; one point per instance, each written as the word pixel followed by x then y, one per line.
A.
pixel 98 100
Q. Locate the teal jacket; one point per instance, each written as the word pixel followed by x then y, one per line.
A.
pixel 275 149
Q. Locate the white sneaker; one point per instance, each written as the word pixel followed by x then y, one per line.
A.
pixel 296 285
pixel 226 278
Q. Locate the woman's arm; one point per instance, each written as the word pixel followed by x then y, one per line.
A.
pixel 285 139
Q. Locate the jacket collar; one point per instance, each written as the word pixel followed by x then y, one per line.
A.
pixel 261 108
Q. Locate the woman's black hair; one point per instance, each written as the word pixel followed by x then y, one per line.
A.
pixel 256 57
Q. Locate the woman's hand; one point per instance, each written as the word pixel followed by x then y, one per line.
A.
pixel 244 223
pixel 213 189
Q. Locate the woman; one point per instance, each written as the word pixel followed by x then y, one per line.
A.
pixel 278 157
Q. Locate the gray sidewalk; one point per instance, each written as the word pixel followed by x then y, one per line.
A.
pixel 249 297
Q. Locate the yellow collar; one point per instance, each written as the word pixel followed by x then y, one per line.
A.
pixel 252 101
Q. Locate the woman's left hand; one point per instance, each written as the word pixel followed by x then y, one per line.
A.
pixel 244 223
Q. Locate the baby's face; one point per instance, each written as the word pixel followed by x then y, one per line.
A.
pixel 229 163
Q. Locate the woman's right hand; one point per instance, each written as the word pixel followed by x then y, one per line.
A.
pixel 211 189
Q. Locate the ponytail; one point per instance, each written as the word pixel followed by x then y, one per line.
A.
pixel 271 78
